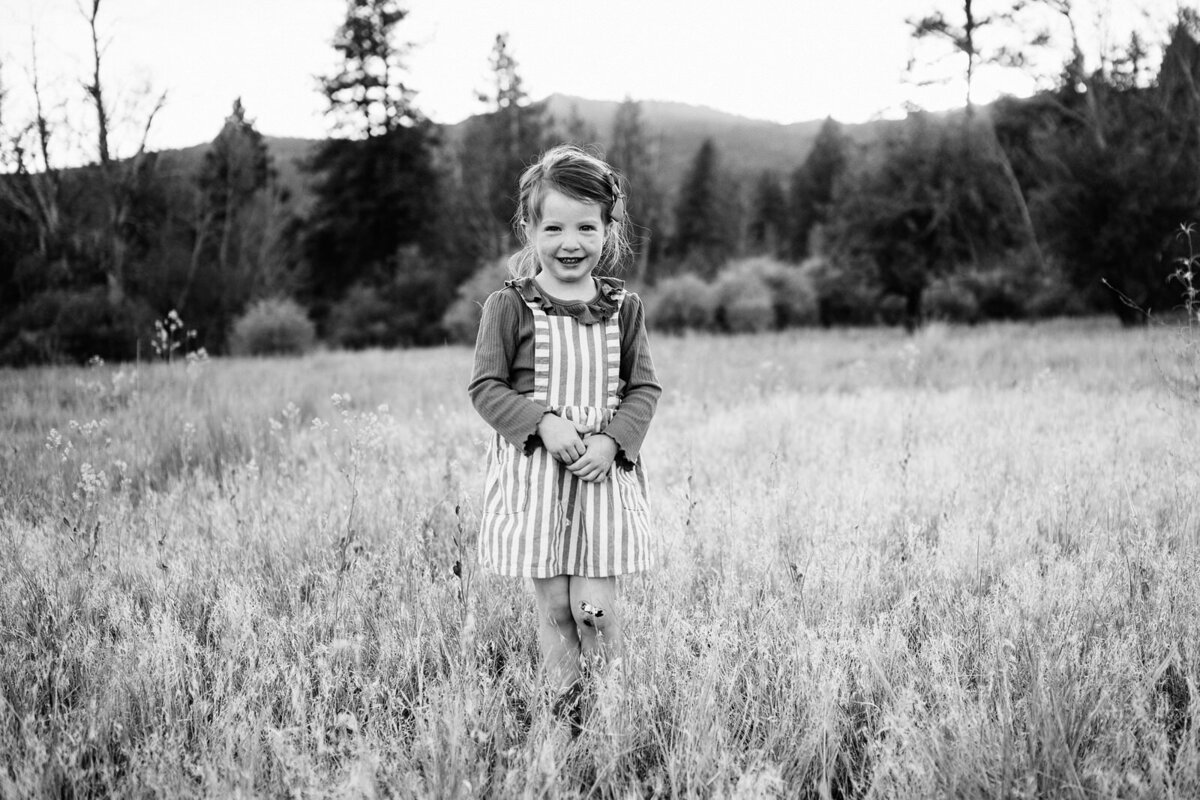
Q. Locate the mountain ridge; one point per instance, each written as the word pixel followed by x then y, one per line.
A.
pixel 746 147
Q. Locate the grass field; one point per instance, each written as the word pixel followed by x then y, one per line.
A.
pixel 957 564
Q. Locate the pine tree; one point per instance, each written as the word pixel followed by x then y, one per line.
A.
pixel 768 216
pixel 702 237
pixel 376 189
pixel 239 249
pixel 367 94
pixel 812 187
pixel 628 151
pixel 630 154
pixel 578 130
pixel 1178 82
pixel 496 148
pixel 236 167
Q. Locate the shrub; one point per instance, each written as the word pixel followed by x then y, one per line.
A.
pixel 363 318
pixel 702 263
pixel 1053 299
pixel 1051 295
pixel 681 302
pixel 793 296
pixel 744 302
pixel 274 326
pixel 90 324
pixel 949 300
pixel 399 305
pixel 461 319
pixel 73 326
pixel 27 335
pixel 892 309
pixel 27 348
pixel 1001 293
pixel 847 293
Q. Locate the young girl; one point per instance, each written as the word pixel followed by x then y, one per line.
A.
pixel 564 376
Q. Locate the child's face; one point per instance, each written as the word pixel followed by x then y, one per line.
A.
pixel 568 239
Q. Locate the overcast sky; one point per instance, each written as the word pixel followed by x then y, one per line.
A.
pixel 779 60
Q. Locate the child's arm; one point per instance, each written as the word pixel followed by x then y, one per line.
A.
pixel 517 417
pixel 640 398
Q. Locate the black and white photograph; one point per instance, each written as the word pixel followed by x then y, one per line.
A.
pixel 551 399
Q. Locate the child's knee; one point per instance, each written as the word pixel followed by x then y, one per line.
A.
pixel 592 615
pixel 559 615
pixel 554 602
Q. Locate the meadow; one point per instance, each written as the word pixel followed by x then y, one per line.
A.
pixel 961 563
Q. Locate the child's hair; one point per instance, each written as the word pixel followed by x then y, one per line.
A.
pixel 581 176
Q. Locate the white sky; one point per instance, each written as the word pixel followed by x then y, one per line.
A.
pixel 780 60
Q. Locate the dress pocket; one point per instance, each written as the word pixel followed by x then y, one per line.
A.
pixel 508 479
pixel 631 486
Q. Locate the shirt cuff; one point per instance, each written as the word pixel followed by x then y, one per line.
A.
pixel 628 444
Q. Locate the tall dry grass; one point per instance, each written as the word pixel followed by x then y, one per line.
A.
pixel 959 564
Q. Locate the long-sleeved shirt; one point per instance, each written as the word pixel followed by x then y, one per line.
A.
pixel 502 381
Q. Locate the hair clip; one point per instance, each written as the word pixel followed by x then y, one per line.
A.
pixel 617 213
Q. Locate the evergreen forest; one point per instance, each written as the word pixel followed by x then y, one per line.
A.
pixel 389 233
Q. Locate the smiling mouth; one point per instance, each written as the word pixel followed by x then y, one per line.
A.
pixel 569 262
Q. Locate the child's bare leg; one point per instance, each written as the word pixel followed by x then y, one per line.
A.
pixel 594 604
pixel 557 635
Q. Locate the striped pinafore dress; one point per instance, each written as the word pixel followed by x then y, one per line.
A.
pixel 539 520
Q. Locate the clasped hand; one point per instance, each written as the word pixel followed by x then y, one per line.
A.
pixel 588 458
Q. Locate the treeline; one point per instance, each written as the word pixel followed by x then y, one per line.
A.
pixel 1067 202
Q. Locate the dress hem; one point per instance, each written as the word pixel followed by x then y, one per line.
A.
pixel 498 573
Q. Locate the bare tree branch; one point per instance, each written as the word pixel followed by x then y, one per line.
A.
pixel 42 124
pixel 95 89
pixel 158 105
